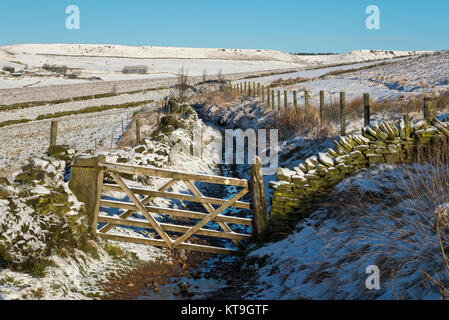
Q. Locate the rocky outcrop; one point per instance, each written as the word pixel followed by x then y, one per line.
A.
pixel 39 215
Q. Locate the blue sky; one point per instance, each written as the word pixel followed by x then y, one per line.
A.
pixel 289 25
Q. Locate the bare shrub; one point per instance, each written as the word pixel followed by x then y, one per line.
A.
pixel 61 69
pixel 221 80
pixel 135 69
pixel 182 84
pixel 8 69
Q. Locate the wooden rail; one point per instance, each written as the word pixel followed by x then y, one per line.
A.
pixel 176 235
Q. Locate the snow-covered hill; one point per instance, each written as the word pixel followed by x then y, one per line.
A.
pixel 104 50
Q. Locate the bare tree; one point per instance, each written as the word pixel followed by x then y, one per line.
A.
pixel 183 83
pixel 221 80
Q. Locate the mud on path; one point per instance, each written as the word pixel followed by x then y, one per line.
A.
pixel 186 276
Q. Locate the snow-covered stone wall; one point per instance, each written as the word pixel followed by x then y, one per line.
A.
pixel 297 190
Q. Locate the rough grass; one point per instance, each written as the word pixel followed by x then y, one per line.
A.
pixel 354 108
pixel 404 220
pixel 291 123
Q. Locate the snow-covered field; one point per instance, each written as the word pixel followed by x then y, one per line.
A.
pixel 401 78
pixel 34 112
pixel 107 61
pixel 102 130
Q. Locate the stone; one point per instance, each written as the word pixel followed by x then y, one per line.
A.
pixel 356 155
pixel 302 167
pixel 341 150
pixel 299 172
pixel 361 148
pixel 299 180
pixel 58 149
pixel 285 174
pixel 310 165
pixel 440 125
pixel 5 181
pixel 342 159
pixel 333 153
pixel 4 192
pixel 345 143
pixel 384 127
pixel 325 159
pixel 375 131
pixel 140 149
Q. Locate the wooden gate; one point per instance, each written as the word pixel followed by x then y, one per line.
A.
pixel 179 233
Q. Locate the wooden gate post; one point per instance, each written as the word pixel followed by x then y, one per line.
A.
pixel 342 113
pixel 430 109
pixel 260 221
pixel 53 133
pixel 86 179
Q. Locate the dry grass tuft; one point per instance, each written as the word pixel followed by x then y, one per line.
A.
pixel 291 122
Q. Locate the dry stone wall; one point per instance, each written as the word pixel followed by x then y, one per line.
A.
pixel 297 190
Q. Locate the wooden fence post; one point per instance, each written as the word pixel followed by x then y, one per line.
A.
pixel 263 93
pixel 258 89
pixel 322 107
pixel 285 100
pixel 306 102
pixel 86 179
pixel 430 109
pixel 295 100
pixel 254 88
pixel 366 109
pixel 260 221
pixel 268 97
pixel 279 100
pixel 137 132
pixel 272 100
pixel 245 88
pixel 53 133
pixel 342 113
